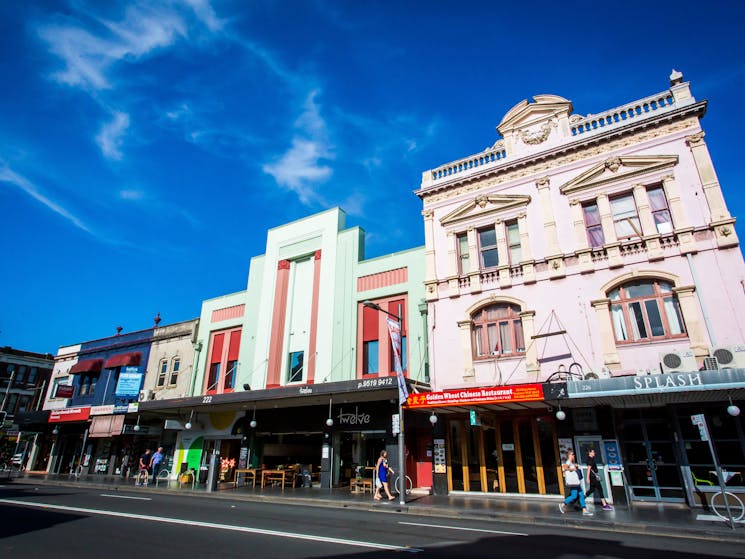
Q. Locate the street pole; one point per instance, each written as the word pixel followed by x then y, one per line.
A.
pixel 401 453
pixel 401 438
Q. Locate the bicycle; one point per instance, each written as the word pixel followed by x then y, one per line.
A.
pixel 409 484
pixel 726 504
pixel 723 499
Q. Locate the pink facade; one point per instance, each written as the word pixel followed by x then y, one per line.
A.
pixel 602 240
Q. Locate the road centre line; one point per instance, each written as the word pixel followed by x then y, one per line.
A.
pixel 464 529
pixel 126 497
pixel 193 523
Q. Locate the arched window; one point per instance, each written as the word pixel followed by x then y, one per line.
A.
pixel 646 310
pixel 498 330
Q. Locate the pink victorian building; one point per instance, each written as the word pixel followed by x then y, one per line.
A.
pixel 589 269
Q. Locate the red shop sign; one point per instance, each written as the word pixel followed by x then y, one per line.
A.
pixel 69 414
pixel 474 396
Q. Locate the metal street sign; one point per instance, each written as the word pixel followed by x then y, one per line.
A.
pixel 699 421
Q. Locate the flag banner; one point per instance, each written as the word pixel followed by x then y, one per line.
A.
pixel 394 329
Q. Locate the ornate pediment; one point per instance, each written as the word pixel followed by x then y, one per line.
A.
pixel 526 116
pixel 618 169
pixel 485 205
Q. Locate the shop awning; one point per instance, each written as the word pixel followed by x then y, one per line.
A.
pixel 87 366
pixel 31 420
pixel 106 426
pixel 124 360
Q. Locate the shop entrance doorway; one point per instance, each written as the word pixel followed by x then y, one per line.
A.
pixel 651 460
pixel 517 455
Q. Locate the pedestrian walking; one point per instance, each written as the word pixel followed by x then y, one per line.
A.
pixel 574 485
pixel 383 471
pixel 155 463
pixel 143 468
pixel 593 480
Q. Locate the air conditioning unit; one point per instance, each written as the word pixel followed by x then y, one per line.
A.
pixel 730 357
pixel 146 395
pixel 678 361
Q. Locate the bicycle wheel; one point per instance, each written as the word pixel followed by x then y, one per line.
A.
pixel 409 484
pixel 720 501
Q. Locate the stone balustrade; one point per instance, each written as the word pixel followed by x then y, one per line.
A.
pixel 478 161
pixel 615 118
pixel 579 126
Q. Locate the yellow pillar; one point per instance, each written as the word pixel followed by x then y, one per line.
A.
pixel 649 230
pixel 691 311
pixel 611 359
pixel 469 373
pixel 682 227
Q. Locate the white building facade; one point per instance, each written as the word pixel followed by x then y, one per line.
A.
pixel 576 252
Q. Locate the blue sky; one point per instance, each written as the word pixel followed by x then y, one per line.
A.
pixel 145 148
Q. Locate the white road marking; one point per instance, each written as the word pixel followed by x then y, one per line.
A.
pixel 464 529
pixel 185 522
pixel 126 497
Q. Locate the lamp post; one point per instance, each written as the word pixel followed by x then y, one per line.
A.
pixel 401 457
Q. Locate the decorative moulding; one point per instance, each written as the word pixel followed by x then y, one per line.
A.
pixel 618 168
pixel 526 114
pixel 485 205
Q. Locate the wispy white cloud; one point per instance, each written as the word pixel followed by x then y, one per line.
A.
pixel 206 14
pixel 131 195
pixel 89 52
pixel 302 167
pixel 7 175
pixel 110 138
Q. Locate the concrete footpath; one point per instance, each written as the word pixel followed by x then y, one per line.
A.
pixel 670 520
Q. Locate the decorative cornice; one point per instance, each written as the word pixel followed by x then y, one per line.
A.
pixel 696 139
pixel 584 148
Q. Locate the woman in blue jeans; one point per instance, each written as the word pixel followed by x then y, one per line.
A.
pixel 574 485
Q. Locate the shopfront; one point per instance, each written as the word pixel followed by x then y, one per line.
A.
pixel 31 441
pixel 663 457
pixel 70 440
pixel 329 430
pixel 493 440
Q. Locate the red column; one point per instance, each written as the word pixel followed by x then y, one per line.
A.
pixel 276 340
pixel 314 318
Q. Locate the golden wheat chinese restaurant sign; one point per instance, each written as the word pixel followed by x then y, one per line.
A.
pixel 477 396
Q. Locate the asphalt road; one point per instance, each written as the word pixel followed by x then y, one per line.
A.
pixel 81 523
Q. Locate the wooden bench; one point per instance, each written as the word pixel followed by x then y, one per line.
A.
pixel 362 485
pixel 250 473
pixel 280 476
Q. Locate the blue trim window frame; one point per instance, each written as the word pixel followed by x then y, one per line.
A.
pixel 162 373
pixel 175 367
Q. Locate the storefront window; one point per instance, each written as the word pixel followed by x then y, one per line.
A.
pixel 726 434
